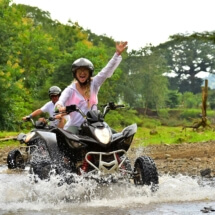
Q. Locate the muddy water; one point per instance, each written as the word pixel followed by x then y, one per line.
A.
pixel 20 195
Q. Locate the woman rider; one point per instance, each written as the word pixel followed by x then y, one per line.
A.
pixel 84 90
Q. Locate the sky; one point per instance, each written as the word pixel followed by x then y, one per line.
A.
pixel 140 22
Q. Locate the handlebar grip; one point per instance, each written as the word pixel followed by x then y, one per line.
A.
pixel 56 111
pixel 71 108
pixel 27 118
pixel 120 106
pixel 112 106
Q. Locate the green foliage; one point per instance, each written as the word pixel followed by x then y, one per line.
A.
pixel 183 116
pixel 150 123
pixel 171 135
pixel 7 143
pixel 178 117
pixel 187 56
pixel 36 52
pixel 5 134
pixel 174 122
pixel 189 100
pixel 150 131
pixel 121 118
pixel 11 84
pixel 191 114
pixel 173 99
pixel 211 98
pixel 145 84
pixel 163 113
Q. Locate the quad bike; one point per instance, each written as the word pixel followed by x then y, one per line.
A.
pixel 20 157
pixel 97 151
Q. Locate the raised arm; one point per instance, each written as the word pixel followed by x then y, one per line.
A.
pixel 120 47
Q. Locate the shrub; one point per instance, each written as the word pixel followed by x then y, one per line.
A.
pixel 123 118
pixel 150 123
pixel 190 113
pixel 163 113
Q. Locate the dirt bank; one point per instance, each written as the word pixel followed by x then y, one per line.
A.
pixel 186 158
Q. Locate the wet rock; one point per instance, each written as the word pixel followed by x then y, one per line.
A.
pixel 208 210
pixel 153 132
pixel 205 172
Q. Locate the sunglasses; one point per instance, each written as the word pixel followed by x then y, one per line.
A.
pixel 54 96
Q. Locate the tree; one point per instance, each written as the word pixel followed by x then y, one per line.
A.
pixel 190 100
pixel 11 85
pixel 37 52
pixel 186 57
pixel 173 99
pixel 211 98
pixel 146 81
pixel 27 54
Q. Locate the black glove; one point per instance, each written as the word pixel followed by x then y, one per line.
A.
pixel 112 105
pixel 71 108
pixel 28 117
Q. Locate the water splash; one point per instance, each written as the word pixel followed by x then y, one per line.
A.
pixel 19 191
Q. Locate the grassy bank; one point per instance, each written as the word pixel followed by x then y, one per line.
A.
pixel 146 136
pixel 165 129
pixel 5 134
pixel 171 135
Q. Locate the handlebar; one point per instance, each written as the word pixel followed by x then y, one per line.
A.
pixel 40 124
pixel 120 106
pixel 69 109
pixel 72 108
pixel 112 106
pixel 28 118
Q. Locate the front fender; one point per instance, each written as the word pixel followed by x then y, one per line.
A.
pixel 51 143
pixel 130 130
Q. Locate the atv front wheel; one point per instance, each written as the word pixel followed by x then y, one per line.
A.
pixel 40 162
pixel 41 169
pixel 15 160
pixel 145 171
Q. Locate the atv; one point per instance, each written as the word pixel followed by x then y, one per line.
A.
pixel 97 151
pixel 20 157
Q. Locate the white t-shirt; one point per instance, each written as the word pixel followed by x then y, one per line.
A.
pixel 49 107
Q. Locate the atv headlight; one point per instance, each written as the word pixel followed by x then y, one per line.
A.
pixel 29 136
pixel 103 135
